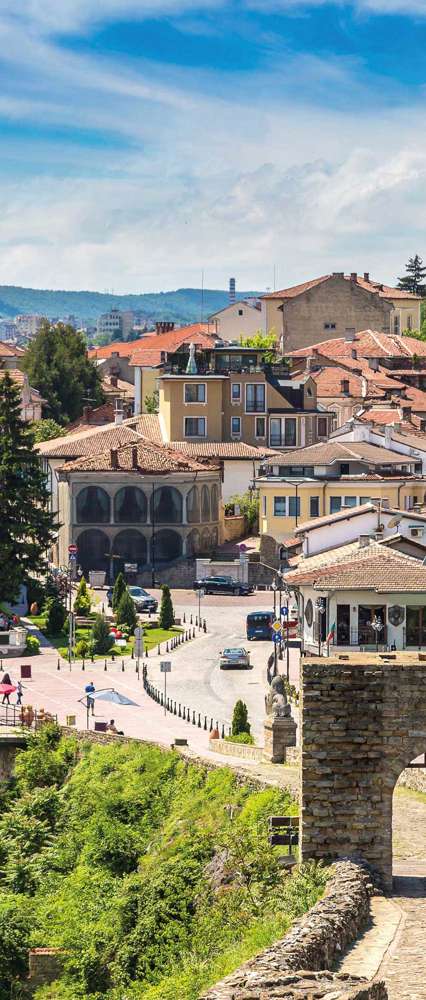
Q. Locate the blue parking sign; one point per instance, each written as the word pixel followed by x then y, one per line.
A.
pixel 276 637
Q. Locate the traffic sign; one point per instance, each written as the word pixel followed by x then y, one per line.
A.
pixel 276 637
pixel 276 626
pixel 284 611
pixel 72 557
pixel 165 666
pixel 72 549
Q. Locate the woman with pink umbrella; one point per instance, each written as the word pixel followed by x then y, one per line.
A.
pixel 6 689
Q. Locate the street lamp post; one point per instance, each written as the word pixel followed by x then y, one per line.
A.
pixel 377 625
pixel 320 609
pixel 274 589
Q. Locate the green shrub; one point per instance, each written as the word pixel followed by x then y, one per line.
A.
pixel 32 645
pixel 240 723
pixel 55 615
pixel 82 603
pixel 167 616
pixel 102 640
pixel 241 738
pixel 126 612
pixel 118 591
pixel 82 649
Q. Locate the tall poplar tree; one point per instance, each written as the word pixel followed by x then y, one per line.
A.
pixel 27 526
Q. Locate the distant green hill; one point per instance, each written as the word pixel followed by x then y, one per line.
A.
pixel 182 305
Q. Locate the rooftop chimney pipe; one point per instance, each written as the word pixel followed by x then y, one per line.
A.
pixel 350 334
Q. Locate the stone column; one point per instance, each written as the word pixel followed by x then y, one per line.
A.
pixel 279 733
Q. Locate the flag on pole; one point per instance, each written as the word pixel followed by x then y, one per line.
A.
pixel 330 637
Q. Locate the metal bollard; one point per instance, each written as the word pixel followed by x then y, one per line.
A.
pixel 161 701
pixel 105 666
pixel 223 732
pixel 193 633
pixel 167 646
pixel 59 666
pixel 211 724
pixel 179 712
pixel 188 717
pixel 205 723
pixel 184 619
pixel 190 620
pixel 193 717
pixel 122 666
pixel 82 665
pixel 199 721
pixel 159 649
pixel 205 625
pixel 174 710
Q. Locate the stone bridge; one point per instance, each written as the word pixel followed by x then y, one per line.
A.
pixel 363 718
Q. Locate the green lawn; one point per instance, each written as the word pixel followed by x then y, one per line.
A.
pixel 152 636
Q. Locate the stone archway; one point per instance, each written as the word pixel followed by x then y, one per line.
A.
pixel 363 721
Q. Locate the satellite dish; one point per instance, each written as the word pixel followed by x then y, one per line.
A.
pixel 394 521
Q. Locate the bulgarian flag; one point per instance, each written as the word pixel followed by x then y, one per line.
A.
pixel 331 634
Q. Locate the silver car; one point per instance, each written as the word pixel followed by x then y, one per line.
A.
pixel 235 657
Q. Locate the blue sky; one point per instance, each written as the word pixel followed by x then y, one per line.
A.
pixel 145 140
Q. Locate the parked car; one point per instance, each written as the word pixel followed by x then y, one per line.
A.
pixel 140 597
pixel 222 585
pixel 235 657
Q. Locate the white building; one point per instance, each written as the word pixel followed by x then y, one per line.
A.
pixel 240 319
pixel 116 324
pixel 29 325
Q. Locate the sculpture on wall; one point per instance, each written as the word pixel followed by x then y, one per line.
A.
pixel 276 703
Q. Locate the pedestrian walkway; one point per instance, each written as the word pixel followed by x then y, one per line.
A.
pixel 404 965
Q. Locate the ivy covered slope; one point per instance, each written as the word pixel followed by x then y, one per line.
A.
pixel 154 875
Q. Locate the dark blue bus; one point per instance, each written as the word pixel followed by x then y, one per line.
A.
pixel 259 625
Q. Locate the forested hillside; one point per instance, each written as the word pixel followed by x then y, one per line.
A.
pixel 155 876
pixel 183 305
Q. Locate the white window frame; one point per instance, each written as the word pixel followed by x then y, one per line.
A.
pixel 285 506
pixel 259 436
pixel 236 402
pixel 236 434
pixel 196 402
pixel 255 413
pixel 195 417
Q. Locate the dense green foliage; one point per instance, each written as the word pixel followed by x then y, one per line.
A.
pixel 247 504
pixel 167 616
pixel 126 612
pixel 82 603
pixel 32 645
pixel 27 527
pixel 240 723
pixel 154 875
pixel 118 591
pixel 46 429
pixel 101 638
pixel 55 615
pixel 152 403
pixel 182 305
pixel 56 363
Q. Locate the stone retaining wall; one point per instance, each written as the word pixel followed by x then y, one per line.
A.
pixel 236 749
pixel 298 965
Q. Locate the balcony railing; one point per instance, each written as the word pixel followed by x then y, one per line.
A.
pixel 364 635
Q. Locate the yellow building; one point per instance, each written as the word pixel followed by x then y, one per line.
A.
pixel 327 477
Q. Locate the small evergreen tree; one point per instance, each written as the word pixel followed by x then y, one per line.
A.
pixel 119 590
pixel 126 612
pixel 101 638
pixel 27 526
pixel 55 615
pixel 240 723
pixel 167 615
pixel 82 603
pixel 414 280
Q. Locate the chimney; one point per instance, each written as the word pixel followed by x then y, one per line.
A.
pixel 366 276
pixel 114 458
pixel 350 334
pixel 364 388
pixel 373 363
pixel 134 457
pixel 354 276
pixel 232 291
pixel 113 381
pixel 354 353
pixel 406 412
pixel 344 385
pixel 388 435
pixel 338 274
pixel 364 540
pixel 309 363
pixel 315 351
pixel 86 414
pixel 118 417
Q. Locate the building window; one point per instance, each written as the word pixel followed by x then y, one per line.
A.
pixel 294 506
pixel 236 426
pixel 195 392
pixel 264 505
pixel 195 426
pixel 275 439
pixel 236 392
pixel 93 506
pixel 335 504
pixel 322 427
pixel 351 501
pixel 344 468
pixel 260 427
pixel 255 397
pixel 365 500
pixel 409 322
pixel 290 432
pixel 240 312
pixel 329 326
pixel 314 506
pixel 280 506
pixel 396 324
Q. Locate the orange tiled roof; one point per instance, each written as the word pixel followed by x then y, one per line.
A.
pixel 329 383
pixel 149 352
pixel 149 458
pixel 368 344
pixel 384 291
pixel 9 351
pixel 374 567
pixel 338 451
pixel 221 449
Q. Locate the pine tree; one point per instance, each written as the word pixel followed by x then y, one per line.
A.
pixel 126 612
pixel 55 615
pixel 414 280
pixel 167 615
pixel 240 723
pixel 119 590
pixel 27 526
pixel 101 638
pixel 57 365
pixel 82 603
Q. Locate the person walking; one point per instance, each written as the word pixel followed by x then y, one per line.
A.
pixel 89 690
pixel 19 692
pixel 6 680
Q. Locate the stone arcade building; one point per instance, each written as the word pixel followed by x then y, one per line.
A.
pixel 142 505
